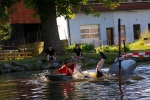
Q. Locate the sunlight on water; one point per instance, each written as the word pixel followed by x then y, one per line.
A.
pixel 37 87
pixel 39 77
pixel 144 70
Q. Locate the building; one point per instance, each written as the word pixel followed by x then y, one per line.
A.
pixel 103 30
pixel 26 28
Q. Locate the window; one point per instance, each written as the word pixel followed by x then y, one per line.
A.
pixel 84 36
pixel 84 30
pixel 93 30
pixel 89 31
pixel 90 34
pixel 94 36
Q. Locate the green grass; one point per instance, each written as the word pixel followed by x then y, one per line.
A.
pixel 26 60
pixel 86 64
pixel 60 58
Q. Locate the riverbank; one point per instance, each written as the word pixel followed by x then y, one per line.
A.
pixel 89 62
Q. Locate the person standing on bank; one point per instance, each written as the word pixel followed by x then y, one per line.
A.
pixel 78 53
pixel 69 68
pixel 50 54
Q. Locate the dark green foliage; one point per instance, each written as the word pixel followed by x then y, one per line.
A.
pixel 5 31
pixel 127 49
pixel 49 10
pixel 70 48
pixel 112 49
pixel 4 12
pixel 84 47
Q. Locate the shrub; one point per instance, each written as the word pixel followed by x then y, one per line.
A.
pixel 84 47
pixel 111 49
pixel 138 45
pixel 70 48
pixel 145 35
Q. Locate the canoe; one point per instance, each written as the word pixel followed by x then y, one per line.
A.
pixel 127 67
pixel 58 77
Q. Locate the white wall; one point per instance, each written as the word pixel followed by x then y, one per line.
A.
pixel 62 28
pixel 108 19
pixel 129 18
pixel 82 19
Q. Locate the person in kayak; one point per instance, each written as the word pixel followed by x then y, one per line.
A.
pixel 69 68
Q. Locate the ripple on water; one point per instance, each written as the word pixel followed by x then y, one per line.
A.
pixel 135 87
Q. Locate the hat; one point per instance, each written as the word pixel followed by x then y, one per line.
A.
pixel 67 60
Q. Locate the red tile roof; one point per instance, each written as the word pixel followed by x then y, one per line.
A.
pixel 23 15
pixel 124 6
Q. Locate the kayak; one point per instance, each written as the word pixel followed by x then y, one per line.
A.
pixel 52 77
pixel 127 67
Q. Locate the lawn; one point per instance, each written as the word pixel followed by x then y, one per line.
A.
pixel 90 59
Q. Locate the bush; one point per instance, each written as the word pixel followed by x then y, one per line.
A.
pixel 84 47
pixel 111 49
pixel 70 48
pixel 145 35
pixel 138 45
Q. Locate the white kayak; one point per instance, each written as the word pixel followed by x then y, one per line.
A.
pixel 127 67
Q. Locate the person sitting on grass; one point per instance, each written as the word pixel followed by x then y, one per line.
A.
pixel 78 54
pixel 50 54
pixel 69 67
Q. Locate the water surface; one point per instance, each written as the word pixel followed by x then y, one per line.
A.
pixel 32 85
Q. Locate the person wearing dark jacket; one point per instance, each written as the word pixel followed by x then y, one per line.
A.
pixel 78 53
pixel 50 54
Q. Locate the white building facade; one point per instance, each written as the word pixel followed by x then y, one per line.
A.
pixel 103 30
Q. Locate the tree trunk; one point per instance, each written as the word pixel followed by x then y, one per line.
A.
pixel 50 29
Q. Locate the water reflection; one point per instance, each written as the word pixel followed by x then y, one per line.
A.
pixel 33 86
pixel 59 91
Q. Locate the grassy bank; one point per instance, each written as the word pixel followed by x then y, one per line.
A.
pixel 90 59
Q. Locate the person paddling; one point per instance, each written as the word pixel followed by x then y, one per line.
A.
pixel 69 68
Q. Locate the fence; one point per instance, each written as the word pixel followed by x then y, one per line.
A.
pixel 14 55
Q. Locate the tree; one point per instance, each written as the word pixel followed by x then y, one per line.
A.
pixel 5 31
pixel 49 10
pixel 5 25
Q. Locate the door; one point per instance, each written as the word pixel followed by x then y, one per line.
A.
pixel 110 36
pixel 136 30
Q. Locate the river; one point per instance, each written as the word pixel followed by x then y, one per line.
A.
pixel 32 85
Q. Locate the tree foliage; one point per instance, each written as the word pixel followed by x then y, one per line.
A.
pixel 49 10
pixel 5 31
pixel 68 8
pixel 5 12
